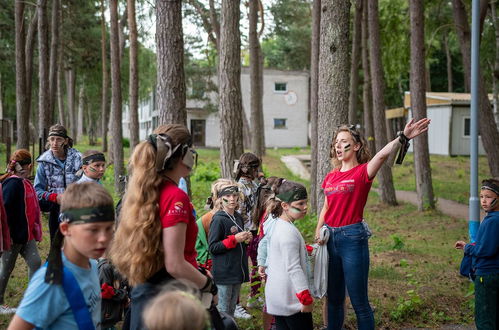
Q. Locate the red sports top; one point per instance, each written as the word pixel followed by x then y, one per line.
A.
pixel 175 207
pixel 346 194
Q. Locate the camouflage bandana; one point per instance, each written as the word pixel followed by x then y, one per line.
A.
pixel 58 132
pixel 296 194
pixel 88 214
pixel 228 191
pixel 94 158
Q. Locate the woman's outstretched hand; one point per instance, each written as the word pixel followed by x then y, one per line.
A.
pixel 413 129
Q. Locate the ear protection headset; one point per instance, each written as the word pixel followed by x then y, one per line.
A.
pixel 162 143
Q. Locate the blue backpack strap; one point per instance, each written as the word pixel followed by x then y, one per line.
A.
pixel 76 301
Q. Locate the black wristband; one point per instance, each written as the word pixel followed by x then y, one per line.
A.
pixel 210 286
pixel 207 284
pixel 402 138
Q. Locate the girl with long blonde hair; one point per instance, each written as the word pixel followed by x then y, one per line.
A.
pixel 155 240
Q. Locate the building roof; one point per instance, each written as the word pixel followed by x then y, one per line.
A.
pixel 437 98
pixel 396 113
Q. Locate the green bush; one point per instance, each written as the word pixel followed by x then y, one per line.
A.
pixel 206 172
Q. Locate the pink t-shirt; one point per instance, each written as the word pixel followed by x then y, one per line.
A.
pixel 175 207
pixel 346 194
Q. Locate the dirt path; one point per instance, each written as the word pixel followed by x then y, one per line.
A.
pixel 448 207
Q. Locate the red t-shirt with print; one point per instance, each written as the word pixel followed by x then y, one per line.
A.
pixel 175 207
pixel 346 194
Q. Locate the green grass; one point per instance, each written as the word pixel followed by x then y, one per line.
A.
pixel 450 176
pixel 414 280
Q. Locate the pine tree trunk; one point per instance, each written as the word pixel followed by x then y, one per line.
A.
pixel 116 100
pixel 133 103
pixel 43 69
pixel 71 94
pixel 487 125
pixel 60 78
pixel 355 63
pixel 81 111
pixel 256 79
pixel 170 90
pixel 334 79
pixel 314 83
pixel 105 81
pixel 449 63
pixel 1 97
pixel 60 91
pixel 231 109
pixel 422 166
pixel 495 75
pixel 121 31
pixel 22 113
pixel 29 59
pixel 367 88
pixel 54 46
pixel 385 174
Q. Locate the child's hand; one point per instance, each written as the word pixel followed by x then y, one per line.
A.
pixel 307 308
pixel 459 245
pixel 242 236
pixel 261 272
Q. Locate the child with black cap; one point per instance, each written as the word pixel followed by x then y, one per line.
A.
pixel 485 258
pixel 65 294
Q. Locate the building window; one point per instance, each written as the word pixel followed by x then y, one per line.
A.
pixel 279 123
pixel 280 87
pixel 467 127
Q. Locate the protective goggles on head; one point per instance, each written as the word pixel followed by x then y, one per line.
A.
pixel 190 158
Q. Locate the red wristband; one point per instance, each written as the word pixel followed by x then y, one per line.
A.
pixel 53 197
pixel 304 297
pixel 230 242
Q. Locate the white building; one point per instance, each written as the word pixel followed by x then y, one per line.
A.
pixel 449 132
pixel 285 110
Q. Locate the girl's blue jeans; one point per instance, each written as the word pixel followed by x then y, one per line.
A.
pixel 349 266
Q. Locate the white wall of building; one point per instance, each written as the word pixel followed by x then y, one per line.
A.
pixel 460 139
pixel 289 106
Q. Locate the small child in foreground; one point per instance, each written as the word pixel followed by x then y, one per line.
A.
pixel 86 229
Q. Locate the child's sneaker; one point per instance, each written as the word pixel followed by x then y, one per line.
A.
pixel 241 313
pixel 4 309
pixel 254 302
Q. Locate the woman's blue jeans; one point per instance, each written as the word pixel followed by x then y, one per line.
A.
pixel 348 266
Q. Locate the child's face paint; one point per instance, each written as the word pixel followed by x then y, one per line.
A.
pixel 488 200
pixel 347 147
pixel 95 170
pixel 298 209
pixel 230 201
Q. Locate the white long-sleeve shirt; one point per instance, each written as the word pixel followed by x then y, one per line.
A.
pixel 286 271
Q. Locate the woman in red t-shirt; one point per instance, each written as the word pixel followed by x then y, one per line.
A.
pixel 155 240
pixel 346 189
